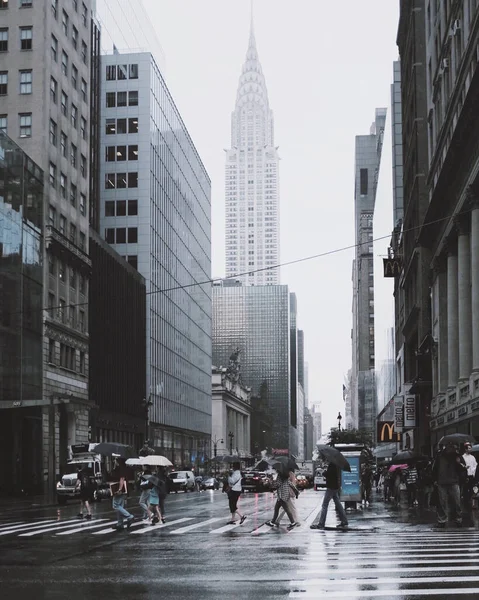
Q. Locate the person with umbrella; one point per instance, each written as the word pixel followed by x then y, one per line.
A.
pixel 448 468
pixel 154 502
pixel 283 491
pixel 234 492
pixel 333 484
pixel 471 465
pixel 119 490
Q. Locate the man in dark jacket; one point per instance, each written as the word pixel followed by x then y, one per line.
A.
pixel 448 469
pixel 333 483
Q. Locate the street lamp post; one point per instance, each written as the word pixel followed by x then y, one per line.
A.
pixel 147 403
pixel 231 436
pixel 339 421
pixel 216 441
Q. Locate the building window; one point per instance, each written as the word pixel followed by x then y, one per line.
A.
pixel 121 181
pixel 52 216
pixel 84 52
pixel 121 153
pixel 81 320
pixel 74 77
pixel 54 48
pixel 3 83
pixel 83 90
pixel 4 4
pixel 82 204
pixel 363 182
pixel 63 224
pixel 26 3
pixel 26 35
pixel 73 239
pixel 25 125
pixel 53 175
pixel 74 116
pixel 26 82
pixel 73 280
pixel 110 99
pixel 133 71
pixel 132 235
pixel 132 207
pixel 83 165
pixel 132 180
pixel 65 23
pixel 63 144
pixel 67 357
pixel 110 128
pixel 64 63
pixel 53 90
pixel 133 125
pixel 110 235
pixel 82 285
pixel 63 187
pixel 4 39
pixel 133 152
pixel 84 14
pixel 110 208
pixel 74 37
pixel 133 98
pixel 61 303
pixel 110 153
pixel 122 71
pixel 3 123
pixel 53 132
pixel 51 265
pixel 54 8
pixel 121 99
pixel 64 104
pixel 83 128
pixel 133 260
pixel 110 72
pixel 82 241
pixel 73 155
pixel 121 126
pixel 121 208
pixel 51 351
pixel 82 363
pixel 73 195
pixel 121 235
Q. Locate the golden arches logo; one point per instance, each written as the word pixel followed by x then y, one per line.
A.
pixel 386 432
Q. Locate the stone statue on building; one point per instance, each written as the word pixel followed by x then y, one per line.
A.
pixel 234 367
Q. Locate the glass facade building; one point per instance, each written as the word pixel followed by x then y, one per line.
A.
pixel 156 212
pixel 256 320
pixel 21 285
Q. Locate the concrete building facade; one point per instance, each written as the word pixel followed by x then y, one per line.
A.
pixel 156 213
pixel 367 163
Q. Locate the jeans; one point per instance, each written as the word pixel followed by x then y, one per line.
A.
pixel 292 509
pixel 328 496
pixel 449 492
pixel 119 505
pixel 285 506
pixel 144 497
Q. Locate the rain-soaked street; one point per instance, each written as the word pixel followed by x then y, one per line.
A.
pixel 47 553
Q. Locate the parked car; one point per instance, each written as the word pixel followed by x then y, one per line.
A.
pixel 302 482
pixel 181 481
pixel 210 483
pixel 256 481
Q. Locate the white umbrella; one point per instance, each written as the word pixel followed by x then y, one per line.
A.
pixel 155 460
pixel 135 462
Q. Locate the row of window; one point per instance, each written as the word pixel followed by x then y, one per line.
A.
pixel 65 59
pixel 67 358
pixel 121 180
pixel 84 13
pixel 61 225
pixel 24 79
pixel 120 99
pixel 25 37
pixel 132 259
pixel 121 72
pixel 23 3
pixel 73 156
pixel 63 181
pixel 24 122
pixel 66 275
pixel 121 126
pixel 121 208
pixel 121 235
pixel 64 108
pixel 120 153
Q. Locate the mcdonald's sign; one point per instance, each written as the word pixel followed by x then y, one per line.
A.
pixel 392 267
pixel 386 432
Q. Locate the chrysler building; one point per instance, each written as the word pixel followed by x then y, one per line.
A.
pixel 252 181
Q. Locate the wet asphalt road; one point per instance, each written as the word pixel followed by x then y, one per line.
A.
pixel 46 553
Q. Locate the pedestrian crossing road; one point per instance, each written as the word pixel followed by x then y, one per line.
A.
pixel 403 564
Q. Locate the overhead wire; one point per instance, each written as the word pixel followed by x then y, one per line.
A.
pixel 269 268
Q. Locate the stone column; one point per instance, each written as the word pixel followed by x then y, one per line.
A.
pixel 442 360
pixel 475 283
pixel 464 297
pixel 452 318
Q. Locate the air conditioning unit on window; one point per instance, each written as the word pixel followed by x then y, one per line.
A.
pixel 445 64
pixel 456 26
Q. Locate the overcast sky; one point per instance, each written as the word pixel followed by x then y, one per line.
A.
pixel 327 65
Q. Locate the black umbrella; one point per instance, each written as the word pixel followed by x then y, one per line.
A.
pixel 334 456
pixel 456 438
pixel 262 465
pixel 284 463
pixel 114 449
pixel 408 456
pixel 227 458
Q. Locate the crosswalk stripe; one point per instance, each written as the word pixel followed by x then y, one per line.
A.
pixel 391 593
pixel 149 528
pixel 369 554
pixel 353 546
pixel 395 560
pixel 225 528
pixel 94 525
pixel 316 570
pixel 196 525
pixel 23 527
pixel 49 529
pixel 8 525
pixel 325 582
pixel 111 529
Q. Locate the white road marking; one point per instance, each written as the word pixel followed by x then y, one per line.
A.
pixel 196 525
pixel 8 525
pixel 372 570
pixel 31 533
pixel 36 525
pixel 111 529
pixel 94 525
pixel 388 594
pixel 149 528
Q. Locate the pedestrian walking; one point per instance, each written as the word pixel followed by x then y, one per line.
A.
pixel 411 486
pixel 154 504
pixel 162 488
pixel 282 486
pixel 291 502
pixel 333 484
pixel 119 490
pixel 87 490
pixel 471 479
pixel 145 488
pixel 366 483
pixel 234 489
pixel 447 470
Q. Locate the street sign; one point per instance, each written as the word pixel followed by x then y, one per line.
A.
pixel 410 411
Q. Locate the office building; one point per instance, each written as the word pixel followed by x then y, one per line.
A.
pixel 252 181
pixel 254 322
pixel 47 49
pixel 367 163
pixel 21 341
pixel 156 213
